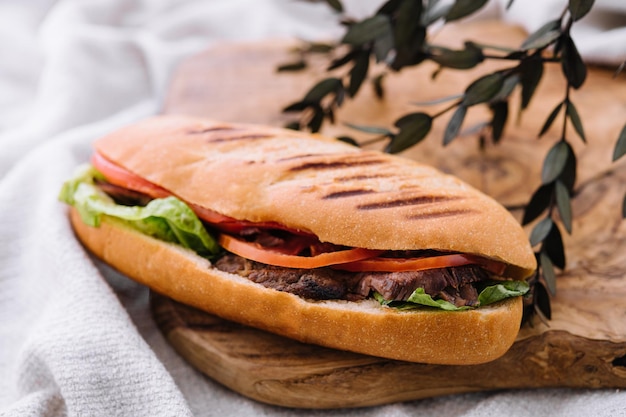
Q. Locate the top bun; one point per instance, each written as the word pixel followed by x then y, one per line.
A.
pixel 342 194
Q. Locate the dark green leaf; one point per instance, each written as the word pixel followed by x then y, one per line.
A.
pixel 438 100
pixel 319 47
pixel 367 30
pixel 459 59
pixel 574 68
pixel 575 119
pixel 531 71
pixel 358 73
pixel 343 60
pixel 293 66
pixel 413 129
pixel 377 83
pixel 538 203
pixel 543 36
pixel 483 89
pixel 541 231
pixel 435 11
pixel 555 162
pixel 463 8
pixel 507 88
pixel 454 125
pixel 500 111
pixel 410 53
pixel 315 123
pixel 542 300
pixel 568 175
pixel 297 106
pixel 322 89
pixel 336 5
pixel 553 246
pixel 377 130
pixel 564 205
pixel 293 125
pixel 349 140
pixel 579 8
pixel 408 21
pixel 620 146
pixel 389 8
pixel 383 46
pixel 550 119
pixel 548 272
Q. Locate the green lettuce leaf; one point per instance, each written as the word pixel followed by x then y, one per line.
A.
pixel 167 219
pixel 492 293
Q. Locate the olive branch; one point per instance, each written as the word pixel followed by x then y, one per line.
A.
pixel 397 36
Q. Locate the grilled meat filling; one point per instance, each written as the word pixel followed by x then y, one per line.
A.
pixel 451 284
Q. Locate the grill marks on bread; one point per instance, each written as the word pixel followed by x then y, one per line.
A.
pixel 225 133
pixel 367 182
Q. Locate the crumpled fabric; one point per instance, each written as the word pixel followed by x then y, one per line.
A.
pixel 76 338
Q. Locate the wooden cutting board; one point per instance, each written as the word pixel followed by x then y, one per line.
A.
pixel 584 345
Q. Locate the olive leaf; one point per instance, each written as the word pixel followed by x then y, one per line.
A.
pixel 509 84
pixel 292 66
pixel 370 129
pixel 358 72
pixel 555 162
pixel 483 89
pixel 335 5
pixel 458 59
pixel 408 21
pixel 322 89
pixel 438 100
pixel 620 146
pixel 564 205
pixel 367 30
pixel 543 36
pixel 377 83
pixel 454 124
pixel 553 247
pixel 572 63
pixel 542 299
pixel 579 8
pixel 538 203
pixel 549 276
pixel 500 111
pixel 550 119
pixel 575 119
pixel 463 8
pixel 531 71
pixel 413 129
pixel 541 231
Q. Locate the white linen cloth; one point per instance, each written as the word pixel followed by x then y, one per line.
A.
pixel 77 339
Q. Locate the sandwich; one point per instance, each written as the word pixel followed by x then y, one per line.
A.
pixel 307 237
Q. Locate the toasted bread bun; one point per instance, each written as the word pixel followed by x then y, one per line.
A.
pixel 436 337
pixel 342 194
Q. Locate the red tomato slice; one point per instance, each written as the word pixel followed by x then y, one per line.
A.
pixel 420 264
pixel 258 253
pixel 117 175
pixel 120 176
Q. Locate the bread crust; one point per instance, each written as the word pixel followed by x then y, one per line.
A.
pixel 434 337
pixel 341 193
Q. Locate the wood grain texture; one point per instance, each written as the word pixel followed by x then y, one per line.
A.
pixel 584 345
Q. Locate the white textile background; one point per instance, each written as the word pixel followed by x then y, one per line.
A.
pixel 76 339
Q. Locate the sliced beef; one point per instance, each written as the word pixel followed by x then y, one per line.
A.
pixel 316 284
pixel 451 284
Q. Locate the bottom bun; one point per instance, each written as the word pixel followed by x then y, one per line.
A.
pixel 426 336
